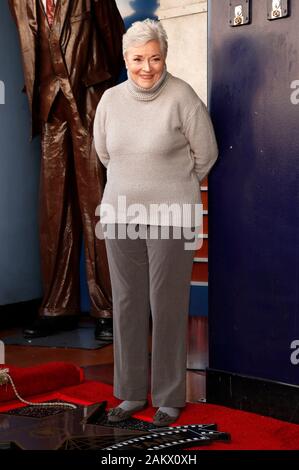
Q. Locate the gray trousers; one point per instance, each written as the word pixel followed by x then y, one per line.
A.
pixel 150 276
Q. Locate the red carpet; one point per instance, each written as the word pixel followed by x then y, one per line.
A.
pixel 248 431
pixel 40 379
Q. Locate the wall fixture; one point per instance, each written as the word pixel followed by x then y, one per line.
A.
pixel 277 9
pixel 239 12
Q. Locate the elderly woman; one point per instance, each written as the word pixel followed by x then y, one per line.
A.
pixel 154 135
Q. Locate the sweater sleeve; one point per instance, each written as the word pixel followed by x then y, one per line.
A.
pixel 99 134
pixel 200 133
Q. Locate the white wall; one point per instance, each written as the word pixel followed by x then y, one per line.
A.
pixel 186 24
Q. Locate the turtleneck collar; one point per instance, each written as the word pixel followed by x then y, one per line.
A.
pixel 147 94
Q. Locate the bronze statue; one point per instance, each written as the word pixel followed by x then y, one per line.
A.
pixel 72 52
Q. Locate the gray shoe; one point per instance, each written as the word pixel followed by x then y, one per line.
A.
pixel 115 415
pixel 162 419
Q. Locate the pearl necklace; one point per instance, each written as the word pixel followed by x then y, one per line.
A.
pixel 5 377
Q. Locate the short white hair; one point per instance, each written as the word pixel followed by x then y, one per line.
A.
pixel 142 32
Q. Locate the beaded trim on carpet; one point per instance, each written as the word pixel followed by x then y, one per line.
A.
pixel 6 378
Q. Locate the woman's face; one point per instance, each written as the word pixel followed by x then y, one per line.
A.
pixel 145 63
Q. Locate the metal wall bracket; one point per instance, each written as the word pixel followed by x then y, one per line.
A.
pixel 239 12
pixel 277 9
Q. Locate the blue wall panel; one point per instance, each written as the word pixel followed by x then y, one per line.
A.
pixel 254 194
pixel 198 306
pixel 19 175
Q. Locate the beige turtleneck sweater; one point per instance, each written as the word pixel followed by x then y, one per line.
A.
pixel 157 145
